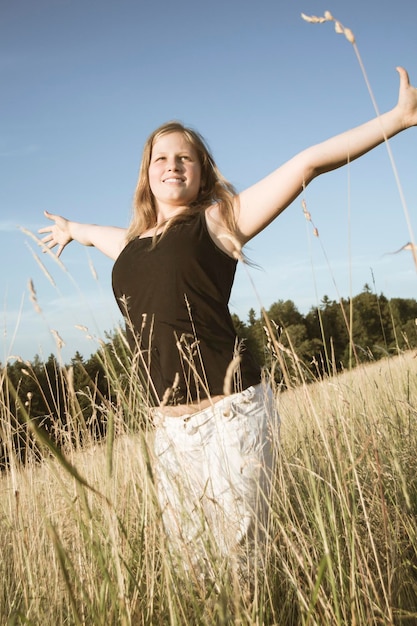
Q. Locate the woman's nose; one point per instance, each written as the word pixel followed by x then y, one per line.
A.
pixel 173 164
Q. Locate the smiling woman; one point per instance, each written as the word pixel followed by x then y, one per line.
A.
pixel 211 188
pixel 174 268
pixel 174 175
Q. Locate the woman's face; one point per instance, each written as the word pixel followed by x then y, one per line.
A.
pixel 174 171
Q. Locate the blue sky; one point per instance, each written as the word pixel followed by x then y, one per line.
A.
pixel 84 82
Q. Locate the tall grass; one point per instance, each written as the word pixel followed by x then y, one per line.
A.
pixel 81 536
pixel 82 541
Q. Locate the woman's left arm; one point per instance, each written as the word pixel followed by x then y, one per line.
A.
pixel 260 204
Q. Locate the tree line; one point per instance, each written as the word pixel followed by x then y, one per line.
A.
pixel 75 400
pixel 334 336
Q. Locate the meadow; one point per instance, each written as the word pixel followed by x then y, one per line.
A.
pixel 82 540
pixel 81 537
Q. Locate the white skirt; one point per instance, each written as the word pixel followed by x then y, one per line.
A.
pixel 213 472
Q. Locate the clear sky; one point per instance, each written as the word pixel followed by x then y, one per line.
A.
pixel 84 82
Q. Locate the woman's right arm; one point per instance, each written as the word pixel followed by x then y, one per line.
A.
pixel 108 239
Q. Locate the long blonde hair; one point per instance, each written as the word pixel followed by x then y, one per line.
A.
pixel 214 188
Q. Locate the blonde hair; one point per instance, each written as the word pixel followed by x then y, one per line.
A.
pixel 214 188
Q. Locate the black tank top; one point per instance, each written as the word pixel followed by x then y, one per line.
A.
pixel 175 297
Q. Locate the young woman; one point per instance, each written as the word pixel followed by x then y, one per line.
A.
pixel 173 273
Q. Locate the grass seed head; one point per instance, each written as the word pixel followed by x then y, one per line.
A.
pixel 33 297
pixel 237 247
pixel 43 268
pixel 16 357
pixel 81 327
pixel 328 17
pixel 59 341
pixel 230 372
pixel 92 269
pixel 349 35
pixel 313 19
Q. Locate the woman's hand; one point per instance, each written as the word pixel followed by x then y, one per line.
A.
pixel 59 233
pixel 407 100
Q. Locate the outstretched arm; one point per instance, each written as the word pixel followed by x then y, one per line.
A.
pixel 263 202
pixel 108 239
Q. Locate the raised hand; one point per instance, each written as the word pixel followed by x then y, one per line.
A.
pixel 58 233
pixel 407 99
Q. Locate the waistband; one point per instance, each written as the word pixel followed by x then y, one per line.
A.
pixel 220 406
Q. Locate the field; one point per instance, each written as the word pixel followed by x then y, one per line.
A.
pixel 82 542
